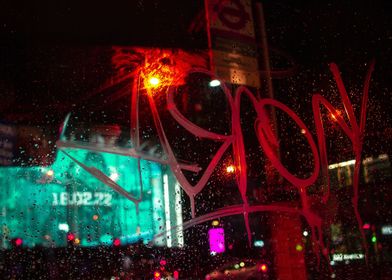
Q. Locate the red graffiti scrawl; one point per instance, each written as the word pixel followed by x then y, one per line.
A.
pixel 146 79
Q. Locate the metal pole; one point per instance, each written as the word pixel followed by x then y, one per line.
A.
pixel 266 61
pixel 273 177
pixel 283 261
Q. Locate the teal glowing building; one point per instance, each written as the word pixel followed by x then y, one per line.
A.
pixel 43 205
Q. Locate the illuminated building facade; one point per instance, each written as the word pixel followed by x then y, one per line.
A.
pixel 43 204
pixel 346 242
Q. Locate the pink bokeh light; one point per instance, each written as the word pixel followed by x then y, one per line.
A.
pixel 216 237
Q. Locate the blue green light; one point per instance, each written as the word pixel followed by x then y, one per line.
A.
pixel 39 200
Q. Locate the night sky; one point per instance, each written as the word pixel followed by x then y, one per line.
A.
pixel 54 54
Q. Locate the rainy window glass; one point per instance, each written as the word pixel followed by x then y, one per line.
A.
pixel 215 139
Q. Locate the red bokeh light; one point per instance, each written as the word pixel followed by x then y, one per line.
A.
pixel 18 241
pixel 116 242
pixel 70 236
pixel 366 226
pixel 263 268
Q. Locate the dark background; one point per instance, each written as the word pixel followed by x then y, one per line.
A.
pixel 54 57
pixel 54 53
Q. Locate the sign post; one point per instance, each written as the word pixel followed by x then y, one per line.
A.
pixel 232 41
pixel 234 58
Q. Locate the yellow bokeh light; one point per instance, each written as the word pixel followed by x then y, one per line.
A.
pixel 334 116
pixel 230 169
pixel 215 223
pixel 154 81
pixel 299 247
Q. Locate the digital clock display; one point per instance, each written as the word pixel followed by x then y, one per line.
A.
pixel 82 199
